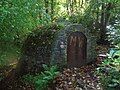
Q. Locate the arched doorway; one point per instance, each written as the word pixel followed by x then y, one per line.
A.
pixel 76 49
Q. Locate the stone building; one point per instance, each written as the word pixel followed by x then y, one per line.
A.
pixel 74 46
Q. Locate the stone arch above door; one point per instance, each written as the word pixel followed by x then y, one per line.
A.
pixel 59 49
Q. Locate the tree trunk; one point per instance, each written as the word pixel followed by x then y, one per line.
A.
pixel 52 9
pixel 103 27
pixel 67 6
pixel 105 15
pixel 46 5
pixel 75 5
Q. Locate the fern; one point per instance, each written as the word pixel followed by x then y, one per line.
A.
pixel 42 81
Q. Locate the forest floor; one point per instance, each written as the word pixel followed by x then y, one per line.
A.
pixel 83 78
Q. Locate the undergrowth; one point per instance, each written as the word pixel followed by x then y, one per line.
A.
pixel 109 70
pixel 43 80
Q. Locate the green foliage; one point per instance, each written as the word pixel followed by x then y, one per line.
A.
pixel 113 52
pixel 17 19
pixel 42 81
pixel 111 80
pixel 109 70
pixel 114 32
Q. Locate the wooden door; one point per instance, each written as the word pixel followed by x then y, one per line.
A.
pixel 76 49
